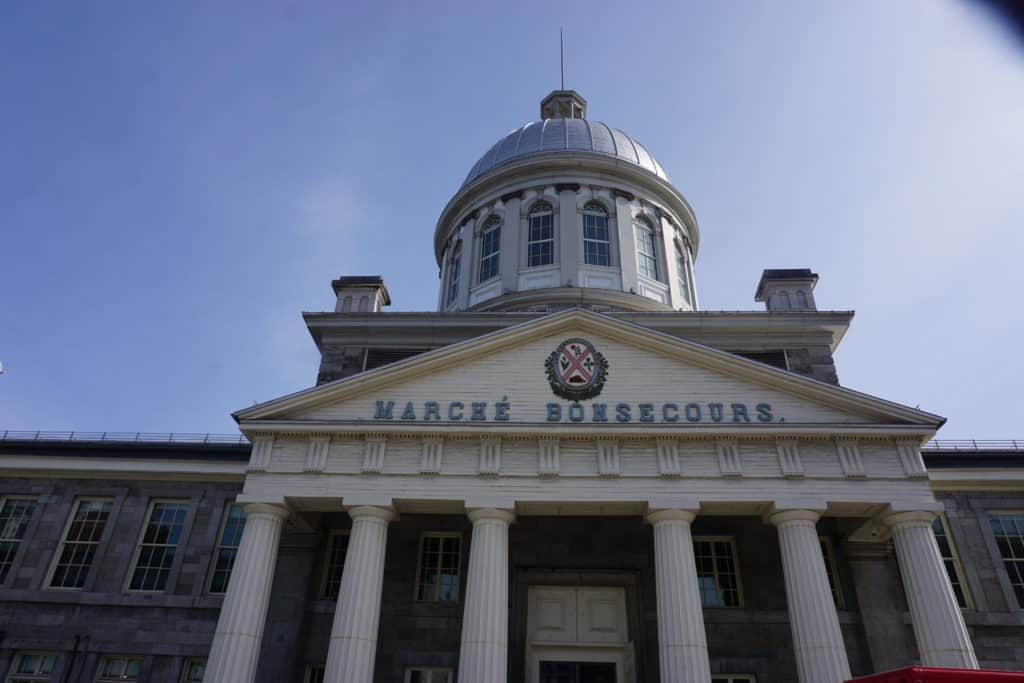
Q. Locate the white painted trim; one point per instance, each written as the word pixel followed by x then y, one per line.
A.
pixel 118 468
pixel 55 560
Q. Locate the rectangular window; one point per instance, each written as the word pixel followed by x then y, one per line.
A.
pixel 596 251
pixel 194 671
pixel 158 546
pixel 314 674
pixel 490 252
pixel 78 548
pixel 733 678
pixel 681 275
pixel 118 669
pixel 1008 529
pixel 454 266
pixel 428 675
pixel 647 254
pixel 540 247
pixel 31 667
pixel 227 548
pixel 440 558
pixel 717 571
pixel 337 548
pixel 832 570
pixel 15 514
pixel 952 561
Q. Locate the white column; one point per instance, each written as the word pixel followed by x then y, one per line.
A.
pixel 483 655
pixel 236 642
pixel 817 639
pixel 353 647
pixel 939 628
pixel 682 642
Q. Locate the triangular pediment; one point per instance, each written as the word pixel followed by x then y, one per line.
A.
pixel 652 379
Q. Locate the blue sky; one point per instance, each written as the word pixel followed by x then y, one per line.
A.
pixel 178 181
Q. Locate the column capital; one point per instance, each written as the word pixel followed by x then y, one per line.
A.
pixel 496 514
pixel 371 512
pixel 271 509
pixel 912 518
pixel 685 515
pixel 780 517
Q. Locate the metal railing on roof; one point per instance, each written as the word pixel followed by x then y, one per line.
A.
pixel 975 445
pixel 123 437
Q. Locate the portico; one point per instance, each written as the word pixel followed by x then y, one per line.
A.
pixel 653 498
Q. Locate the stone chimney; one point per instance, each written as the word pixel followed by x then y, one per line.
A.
pixel 787 289
pixel 360 294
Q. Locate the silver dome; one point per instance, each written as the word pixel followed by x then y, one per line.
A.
pixel 565 135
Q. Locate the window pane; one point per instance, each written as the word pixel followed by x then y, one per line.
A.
pixel 716 572
pixel 540 244
pixel 1009 532
pixel 596 251
pixel 116 669
pixel 647 255
pixel 159 546
pixel 14 518
pixel 490 249
pixel 75 555
pixel 454 267
pixel 227 550
pixel 439 569
pixel 336 552
pixel 950 561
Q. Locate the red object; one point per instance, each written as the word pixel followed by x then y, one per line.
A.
pixel 924 674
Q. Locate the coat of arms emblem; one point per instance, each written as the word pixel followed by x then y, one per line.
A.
pixel 576 370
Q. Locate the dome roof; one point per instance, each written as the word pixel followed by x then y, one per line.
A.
pixel 565 135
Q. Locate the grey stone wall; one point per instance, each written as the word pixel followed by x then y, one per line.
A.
pixel 104 618
pixel 995 620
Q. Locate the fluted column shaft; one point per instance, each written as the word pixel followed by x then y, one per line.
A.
pixel 682 641
pixel 483 655
pixel 817 638
pixel 353 646
pixel 236 642
pixel 939 628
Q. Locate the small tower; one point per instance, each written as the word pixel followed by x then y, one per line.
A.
pixel 360 294
pixel 563 104
pixel 787 289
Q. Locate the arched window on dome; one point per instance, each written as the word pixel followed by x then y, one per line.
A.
pixel 540 242
pixel 596 242
pixel 646 248
pixel 454 266
pixel 490 249
pixel 681 275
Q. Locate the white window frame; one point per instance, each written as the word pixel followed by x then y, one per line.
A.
pixel 127 658
pixel 226 515
pixel 539 210
pixel 428 670
pixel 45 677
pixel 607 228
pixel 419 567
pixel 999 555
pixel 76 505
pixel 189 663
pixel 312 670
pixel 958 566
pixel 682 276
pixel 828 552
pixel 731 540
pixel 492 224
pixel 142 534
pixel 642 225
pixel 454 272
pixel 17 548
pixel 325 571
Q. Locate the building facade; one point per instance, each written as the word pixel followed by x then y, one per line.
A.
pixel 567 473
